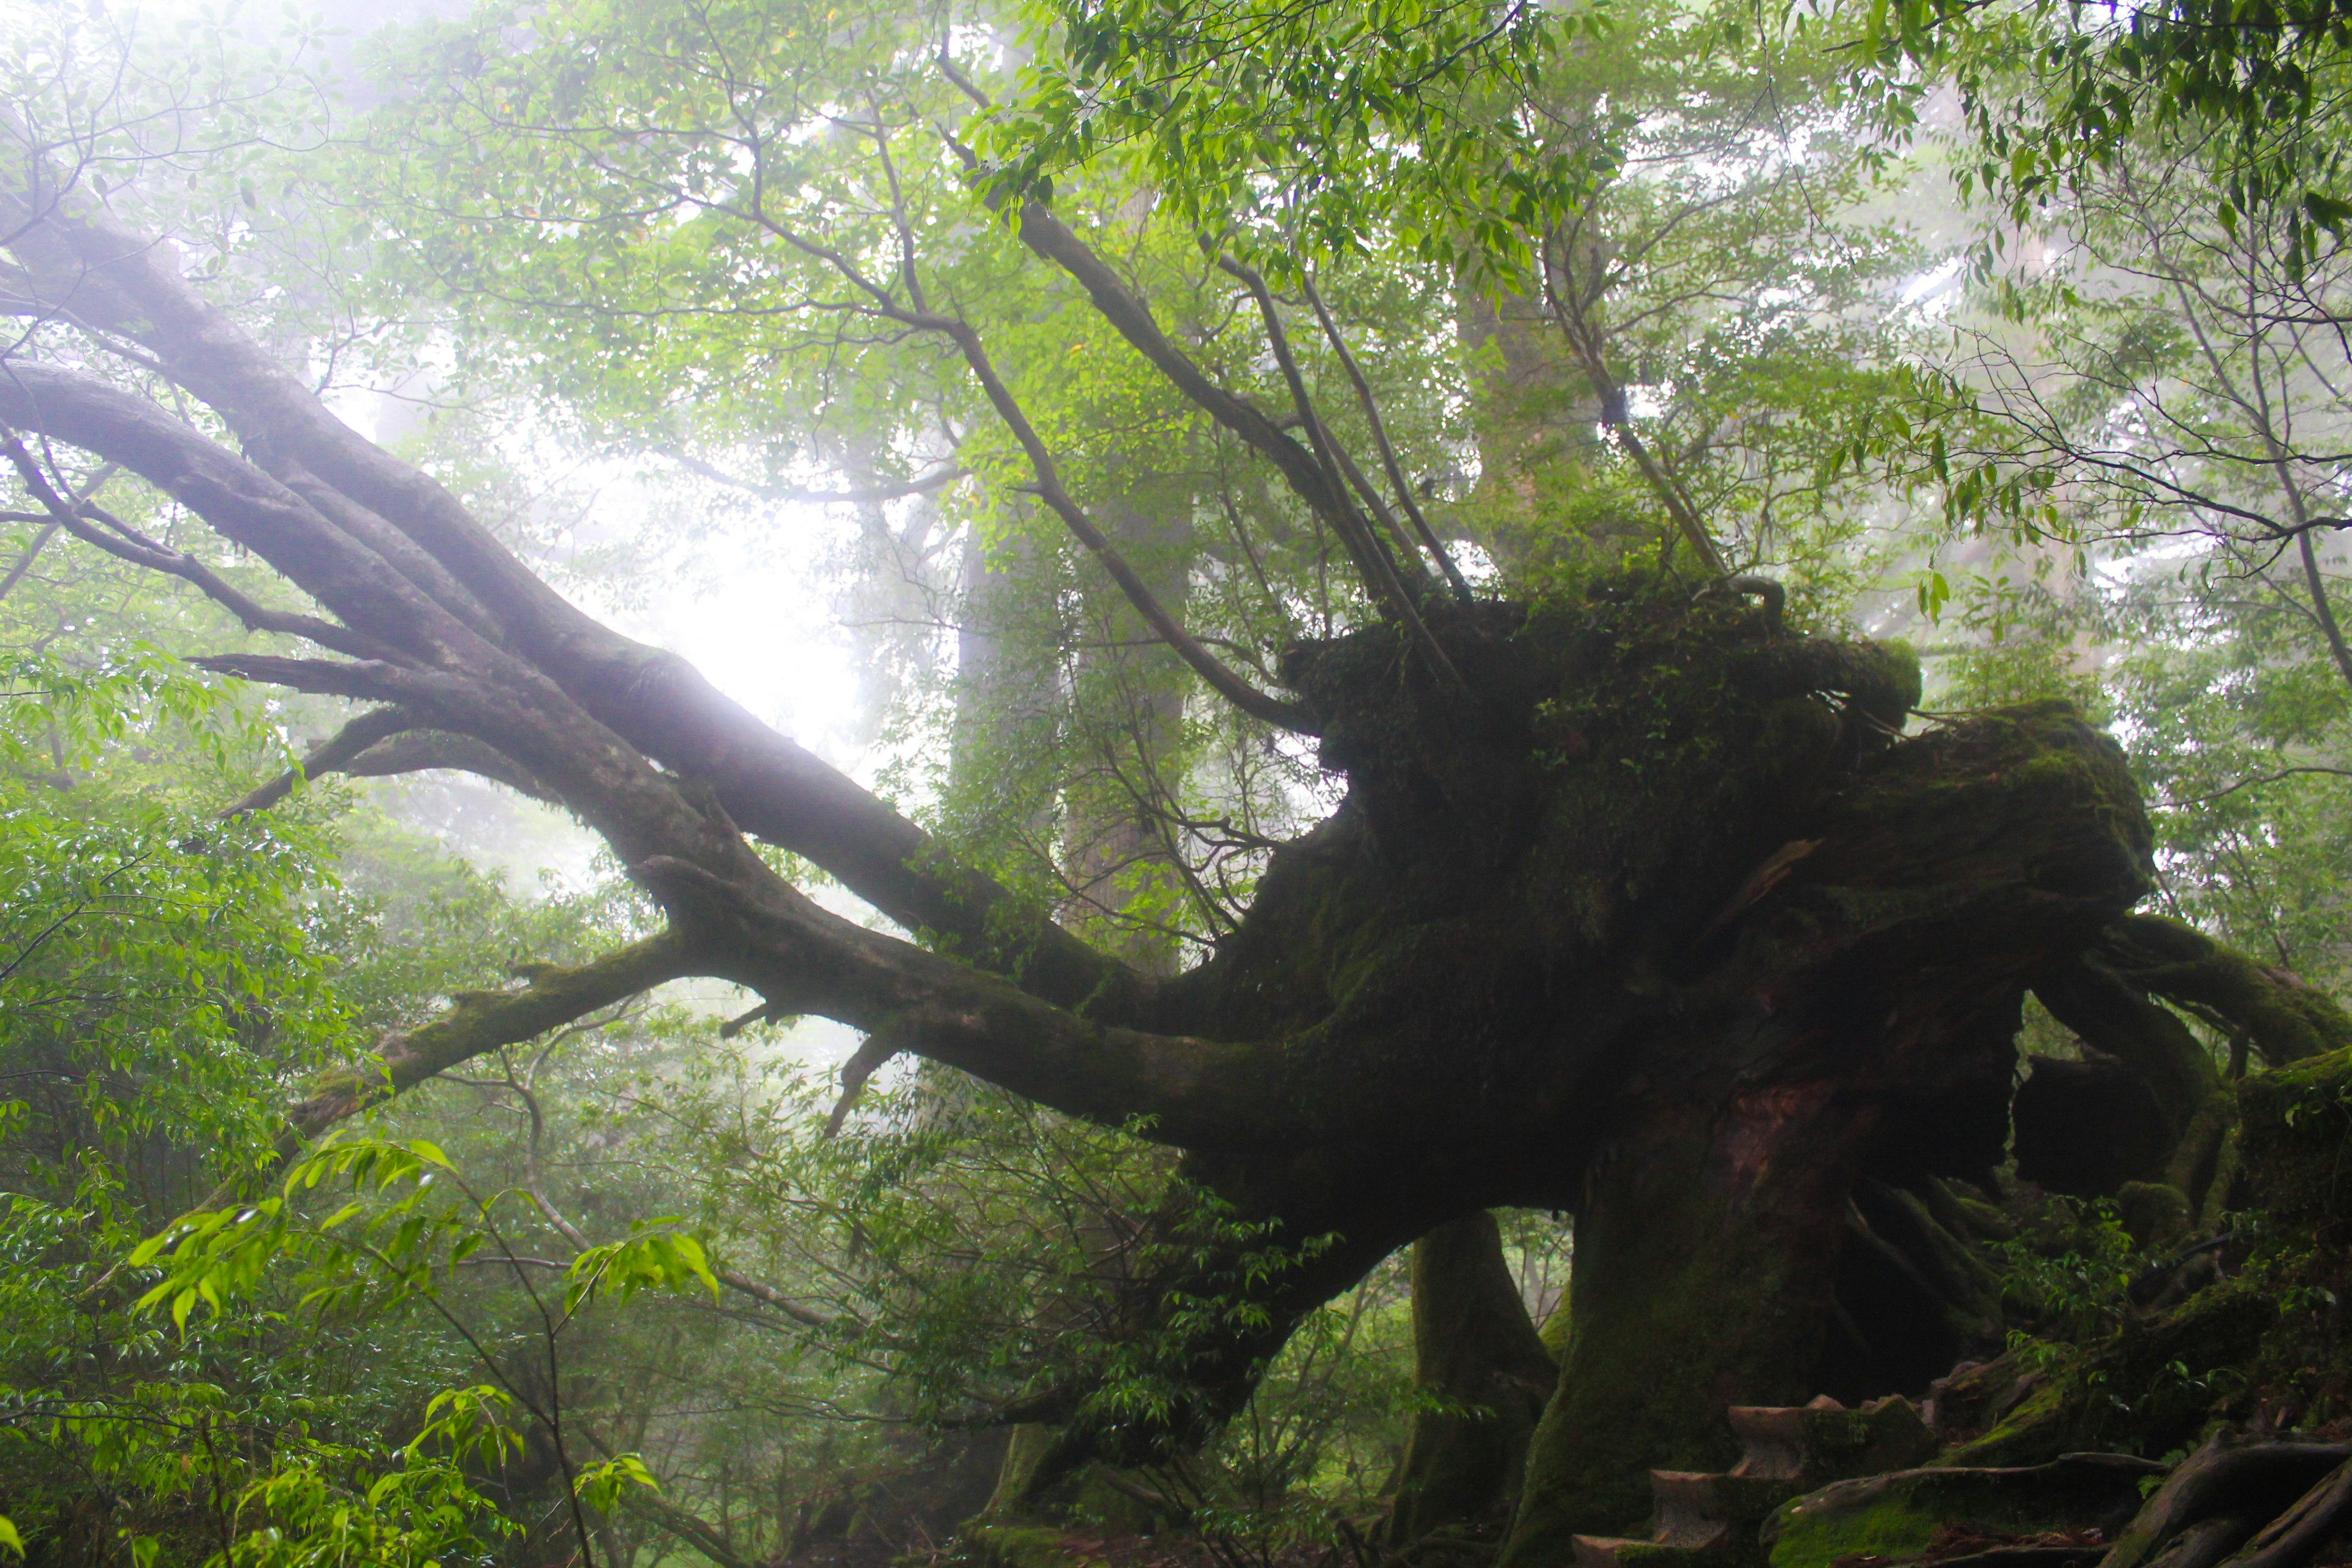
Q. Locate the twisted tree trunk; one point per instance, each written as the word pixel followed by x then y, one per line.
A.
pixel 1635 906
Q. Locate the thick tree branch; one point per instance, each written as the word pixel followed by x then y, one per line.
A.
pixel 2285 1018
pixel 423 750
pixel 767 783
pixel 244 505
pixel 385 742
pixel 331 756
pixel 116 538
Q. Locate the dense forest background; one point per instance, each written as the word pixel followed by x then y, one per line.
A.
pixel 2015 332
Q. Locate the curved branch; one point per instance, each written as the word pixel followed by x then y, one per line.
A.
pixel 332 754
pixel 2284 1016
pixel 423 750
pixel 481 1021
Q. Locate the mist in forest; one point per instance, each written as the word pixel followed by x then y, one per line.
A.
pixel 1308 784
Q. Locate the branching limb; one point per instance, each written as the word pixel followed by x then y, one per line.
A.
pixel 2284 1016
pixel 383 545
pixel 421 751
pixel 1374 561
pixel 480 1021
pixel 871 1058
pixel 364 680
pixel 1584 341
pixel 50 527
pixel 592 715
pixel 1210 667
pixel 332 754
pixel 1384 570
pixel 1053 239
pixel 236 500
pixel 84 519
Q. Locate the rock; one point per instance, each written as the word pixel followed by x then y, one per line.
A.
pixel 1825 1442
pixel 1896 1515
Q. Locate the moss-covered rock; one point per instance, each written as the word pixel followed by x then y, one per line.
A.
pixel 1897 1516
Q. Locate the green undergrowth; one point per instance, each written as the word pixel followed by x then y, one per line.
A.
pixel 2143 1348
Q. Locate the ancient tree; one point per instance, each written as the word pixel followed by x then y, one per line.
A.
pixel 1639 905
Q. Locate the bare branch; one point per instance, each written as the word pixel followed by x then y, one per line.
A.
pixel 871 1057
pixel 1389 464
pixel 1211 669
pixel 922 484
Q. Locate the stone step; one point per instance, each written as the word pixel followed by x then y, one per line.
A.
pixel 1706 1520
pixel 1697 1510
pixel 1824 1442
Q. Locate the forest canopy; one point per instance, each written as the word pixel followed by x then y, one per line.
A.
pixel 1259 782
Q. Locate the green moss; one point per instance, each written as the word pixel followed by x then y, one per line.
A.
pixel 2295 1148
pixel 1896 1516
pixel 1554 1332
pixel 2036 1430
pixel 1652 1554
pixel 1016 1477
pixel 1895 1529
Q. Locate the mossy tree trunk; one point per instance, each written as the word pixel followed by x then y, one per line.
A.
pixel 1705 1254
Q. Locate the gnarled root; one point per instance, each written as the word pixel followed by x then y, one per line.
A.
pixel 2216 1496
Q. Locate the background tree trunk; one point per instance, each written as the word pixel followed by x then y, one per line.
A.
pixel 1476 1354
